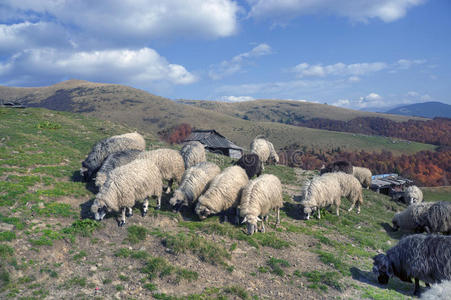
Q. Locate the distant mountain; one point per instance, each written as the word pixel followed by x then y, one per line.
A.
pixel 425 109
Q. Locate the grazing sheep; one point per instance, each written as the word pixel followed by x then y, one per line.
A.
pixel 350 188
pixel 259 196
pixel 439 291
pixel 107 146
pixel 363 175
pixel 113 161
pixel 224 192
pixel 264 149
pixel 419 256
pixel 427 216
pixel 251 163
pixel 193 153
pixel 321 191
pixel 194 182
pixel 337 166
pixel 137 180
pixel 169 162
pixel 413 194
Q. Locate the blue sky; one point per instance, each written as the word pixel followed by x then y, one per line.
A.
pixel 352 53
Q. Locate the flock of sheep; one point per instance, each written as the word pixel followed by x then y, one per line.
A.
pixel 124 173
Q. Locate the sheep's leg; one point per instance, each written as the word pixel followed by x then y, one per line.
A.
pixel 129 212
pixel 319 213
pixel 427 285
pixel 338 210
pixel 352 206
pixel 158 202
pixel 168 190
pixel 416 292
pixel 237 216
pixel 263 225
pixel 145 206
pixel 278 216
pixel 122 219
pixel 427 229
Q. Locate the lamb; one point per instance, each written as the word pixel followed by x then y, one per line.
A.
pixel 350 188
pixel 337 166
pixel 427 216
pixel 194 182
pixel 419 256
pixel 321 191
pixel 107 146
pixel 127 184
pixel 224 192
pixel 113 161
pixel 439 291
pixel 169 162
pixel 363 175
pixel 264 149
pixel 193 153
pixel 251 163
pixel 259 196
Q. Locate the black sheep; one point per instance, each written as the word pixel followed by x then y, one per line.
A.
pixel 251 163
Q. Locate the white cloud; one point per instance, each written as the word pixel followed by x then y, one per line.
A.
pixel 237 98
pixel 406 63
pixel 136 67
pixel 234 65
pixel 354 79
pixel 341 102
pixel 338 69
pixel 356 10
pixel 131 20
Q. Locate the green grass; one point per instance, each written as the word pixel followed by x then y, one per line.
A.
pixel 158 267
pixel 276 265
pixel 322 280
pixel 136 234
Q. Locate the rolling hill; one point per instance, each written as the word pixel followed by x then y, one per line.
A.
pixel 50 247
pixel 152 114
pixel 425 109
pixel 284 111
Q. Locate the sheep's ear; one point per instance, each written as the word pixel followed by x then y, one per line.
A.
pixel 244 220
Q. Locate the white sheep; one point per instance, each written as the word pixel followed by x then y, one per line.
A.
pixel 193 153
pixel 363 175
pixel 105 147
pixel 264 149
pixel 127 184
pixel 195 181
pixel 413 194
pixel 113 161
pixel 224 192
pixel 169 162
pixel 321 191
pixel 258 197
pixel 350 188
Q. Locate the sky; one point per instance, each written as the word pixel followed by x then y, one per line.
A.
pixel 355 54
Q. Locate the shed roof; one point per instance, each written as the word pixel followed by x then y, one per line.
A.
pixel 211 138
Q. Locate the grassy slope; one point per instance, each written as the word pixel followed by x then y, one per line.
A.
pixel 50 251
pixel 280 110
pixel 152 113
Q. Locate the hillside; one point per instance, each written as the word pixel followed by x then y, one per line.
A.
pixel 150 113
pixel 49 248
pixel 425 109
pixel 284 111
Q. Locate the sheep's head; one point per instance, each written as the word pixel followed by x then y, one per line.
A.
pixel 382 268
pixel 251 223
pixel 308 211
pixel 177 200
pixel 99 209
pixel 203 211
